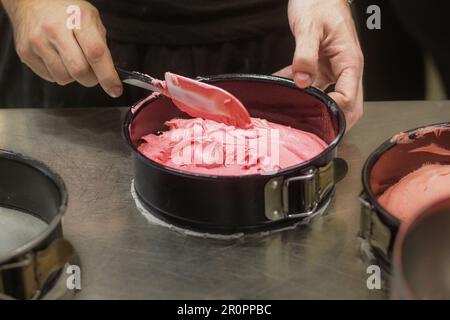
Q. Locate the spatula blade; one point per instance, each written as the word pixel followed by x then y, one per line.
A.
pixel 206 101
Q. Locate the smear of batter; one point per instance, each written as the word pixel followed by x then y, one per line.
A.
pixel 417 191
pixel 209 147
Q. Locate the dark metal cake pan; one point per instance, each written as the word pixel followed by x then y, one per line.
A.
pixel 390 162
pixel 33 200
pixel 250 203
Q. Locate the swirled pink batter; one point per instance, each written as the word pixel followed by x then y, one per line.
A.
pixel 429 184
pixel 417 191
pixel 208 147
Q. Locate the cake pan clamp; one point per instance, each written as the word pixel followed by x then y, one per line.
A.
pixel 373 230
pixel 314 185
pixel 31 272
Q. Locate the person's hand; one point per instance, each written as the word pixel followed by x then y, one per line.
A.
pixel 327 51
pixel 55 52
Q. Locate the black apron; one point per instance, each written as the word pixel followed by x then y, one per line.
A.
pixel 204 37
pixel 394 55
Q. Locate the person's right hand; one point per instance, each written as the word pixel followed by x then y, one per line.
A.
pixel 327 51
pixel 57 53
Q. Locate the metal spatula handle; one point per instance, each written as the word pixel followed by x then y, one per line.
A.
pixel 141 80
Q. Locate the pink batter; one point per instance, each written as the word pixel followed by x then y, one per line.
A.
pixel 418 190
pixel 209 147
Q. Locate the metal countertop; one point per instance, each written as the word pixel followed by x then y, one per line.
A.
pixel 125 257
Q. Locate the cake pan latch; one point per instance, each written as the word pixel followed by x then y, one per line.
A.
pixel 372 229
pixel 34 269
pixel 300 196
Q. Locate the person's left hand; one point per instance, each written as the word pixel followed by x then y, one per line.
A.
pixel 327 51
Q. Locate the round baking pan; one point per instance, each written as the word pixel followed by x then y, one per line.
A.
pixel 250 203
pixel 386 166
pixel 32 251
pixel 421 256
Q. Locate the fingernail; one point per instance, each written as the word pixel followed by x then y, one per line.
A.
pixel 115 91
pixel 302 79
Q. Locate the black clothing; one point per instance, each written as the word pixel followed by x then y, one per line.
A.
pixel 160 45
pixel 394 55
pixel 181 22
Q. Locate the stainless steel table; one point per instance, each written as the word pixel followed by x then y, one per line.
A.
pixel 125 257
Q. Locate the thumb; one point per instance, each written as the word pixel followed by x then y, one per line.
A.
pixel 285 72
pixel 348 95
pixel 306 59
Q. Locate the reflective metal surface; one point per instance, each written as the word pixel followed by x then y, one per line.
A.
pixel 125 257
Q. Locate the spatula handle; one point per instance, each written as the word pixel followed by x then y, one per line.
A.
pixel 141 80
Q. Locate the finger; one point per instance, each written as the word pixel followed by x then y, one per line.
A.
pixel 74 60
pixel 322 82
pixel 356 113
pixel 39 68
pixel 285 72
pixel 353 108
pixel 346 89
pixel 35 63
pixel 52 61
pixel 324 78
pixel 93 44
pixel 306 58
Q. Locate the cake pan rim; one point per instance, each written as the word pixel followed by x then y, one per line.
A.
pixel 316 93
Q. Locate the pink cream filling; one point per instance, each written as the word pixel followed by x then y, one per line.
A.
pixel 417 191
pixel 208 147
pixel 426 186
